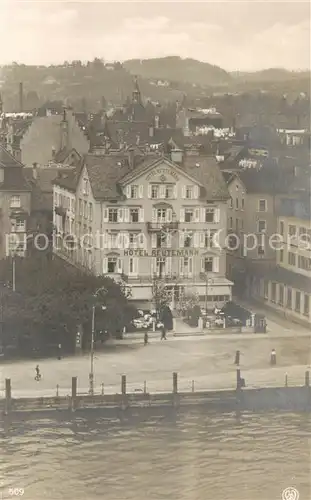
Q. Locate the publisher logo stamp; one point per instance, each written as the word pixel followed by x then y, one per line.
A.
pixel 290 494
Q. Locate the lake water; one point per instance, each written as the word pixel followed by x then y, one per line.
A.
pixel 189 456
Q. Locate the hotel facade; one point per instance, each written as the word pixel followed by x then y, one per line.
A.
pixel 138 219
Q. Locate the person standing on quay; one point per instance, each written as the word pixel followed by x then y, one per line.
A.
pixel 273 357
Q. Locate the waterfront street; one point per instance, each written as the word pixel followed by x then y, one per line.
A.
pixel 209 362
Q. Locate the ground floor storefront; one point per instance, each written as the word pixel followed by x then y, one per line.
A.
pixel 287 294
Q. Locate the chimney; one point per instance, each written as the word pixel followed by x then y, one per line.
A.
pixel 131 158
pixel 177 155
pixel 21 97
pixel 34 171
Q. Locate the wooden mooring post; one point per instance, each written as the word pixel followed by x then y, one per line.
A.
pixel 73 402
pixel 307 378
pixel 123 392
pixel 8 397
pixel 175 389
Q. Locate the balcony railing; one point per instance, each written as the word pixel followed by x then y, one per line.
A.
pixel 160 226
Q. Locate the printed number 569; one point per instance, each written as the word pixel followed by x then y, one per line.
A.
pixel 16 492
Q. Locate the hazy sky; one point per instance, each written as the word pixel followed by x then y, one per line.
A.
pixel 245 35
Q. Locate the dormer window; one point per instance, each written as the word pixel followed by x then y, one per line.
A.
pixel 15 202
pixel 85 186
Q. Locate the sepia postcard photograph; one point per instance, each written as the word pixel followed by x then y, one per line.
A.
pixel 155 250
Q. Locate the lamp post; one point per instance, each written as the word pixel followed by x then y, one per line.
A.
pixel 91 374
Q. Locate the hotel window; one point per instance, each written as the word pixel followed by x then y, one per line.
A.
pixel 281 227
pixel 230 222
pixel 231 202
pixel 281 295
pixel 188 241
pixel 113 215
pixel 160 266
pixel 281 255
pixel 169 191
pixel 189 215
pixel 262 226
pixel 114 240
pixel 306 305
pixel 289 298
pixel 85 214
pixel 154 191
pixel 273 292
pixel 242 203
pixel 189 192
pixel 266 289
pixel 260 250
pixel 262 206
pixel 237 203
pixel 209 215
pixel 304 263
pixel 90 212
pixel 15 202
pixel 134 214
pixel 134 191
pixel 209 240
pixel 292 230
pixel 133 265
pixel 208 264
pixel 161 215
pixel 133 240
pixel 80 207
pixel 112 264
pixel 297 301
pixel 187 265
pixel 291 258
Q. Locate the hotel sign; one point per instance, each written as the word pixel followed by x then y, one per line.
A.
pixel 161 252
pixel 162 172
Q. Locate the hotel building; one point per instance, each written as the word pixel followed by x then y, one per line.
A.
pixel 143 217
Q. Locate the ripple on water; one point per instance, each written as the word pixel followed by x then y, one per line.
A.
pixel 193 456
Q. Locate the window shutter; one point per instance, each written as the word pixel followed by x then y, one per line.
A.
pixel 126 240
pixel 128 191
pixel 181 266
pixel 202 265
pixel 169 215
pixel 106 238
pixel 202 239
pixel 183 192
pixel 190 266
pixel 182 215
pixel 154 240
pixel 168 240
pixel 141 215
pixel 196 192
pixel 120 215
pixel 119 265
pixel 149 191
pixel 126 215
pixel 175 192
pixel 154 215
pixel 120 241
pixel 106 215
pixel 162 191
pixel 216 265
pixel 181 239
pixel 197 215
pixel 140 191
pixel 217 215
pixel 196 240
pixel 168 266
pixel 105 265
pixel 141 240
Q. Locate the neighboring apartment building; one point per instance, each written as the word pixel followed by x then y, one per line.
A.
pixel 255 195
pixel 139 222
pixel 287 287
pixel 15 205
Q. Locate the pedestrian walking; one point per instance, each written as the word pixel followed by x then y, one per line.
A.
pixel 237 358
pixel 38 374
pixel 273 357
pixel 163 333
pixel 59 351
pixel 146 337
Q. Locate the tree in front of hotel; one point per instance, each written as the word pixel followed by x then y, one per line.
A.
pixel 52 299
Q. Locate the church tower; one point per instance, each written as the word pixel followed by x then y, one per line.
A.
pixel 136 95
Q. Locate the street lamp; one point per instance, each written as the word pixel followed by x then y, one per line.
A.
pixel 91 374
pixel 208 283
